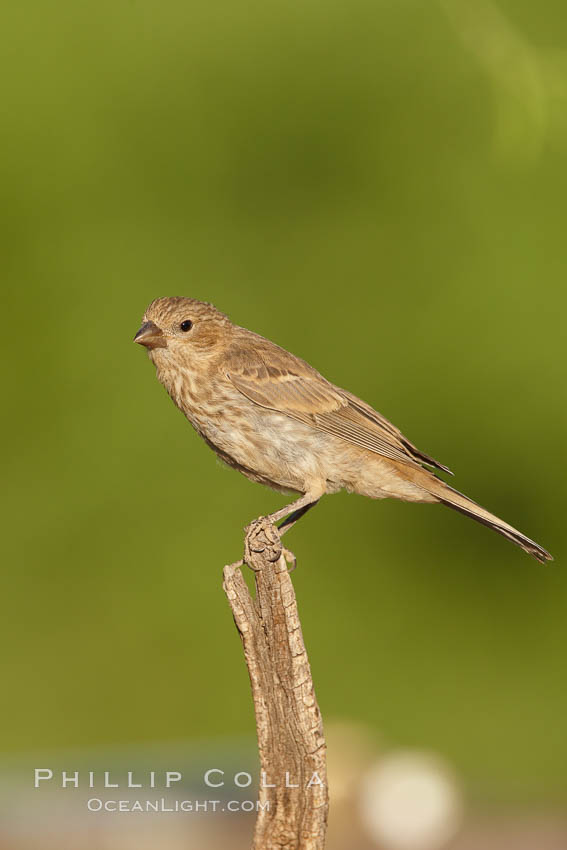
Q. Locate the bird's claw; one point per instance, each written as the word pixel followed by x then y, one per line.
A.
pixel 290 559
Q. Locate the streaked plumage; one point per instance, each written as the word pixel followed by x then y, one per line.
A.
pixel 273 417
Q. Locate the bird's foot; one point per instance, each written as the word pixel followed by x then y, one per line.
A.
pixel 290 559
pixel 261 534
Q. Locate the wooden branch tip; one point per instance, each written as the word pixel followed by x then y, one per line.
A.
pixel 293 794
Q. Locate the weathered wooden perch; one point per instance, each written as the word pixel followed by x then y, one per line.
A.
pixel 288 721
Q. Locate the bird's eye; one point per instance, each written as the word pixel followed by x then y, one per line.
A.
pixel 186 325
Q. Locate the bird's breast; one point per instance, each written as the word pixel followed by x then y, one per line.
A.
pixel 272 447
pixel 264 444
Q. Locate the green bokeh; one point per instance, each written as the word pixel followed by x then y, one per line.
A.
pixel 379 187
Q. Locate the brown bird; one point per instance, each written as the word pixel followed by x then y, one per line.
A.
pixel 273 417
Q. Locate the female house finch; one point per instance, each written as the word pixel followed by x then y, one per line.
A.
pixel 273 417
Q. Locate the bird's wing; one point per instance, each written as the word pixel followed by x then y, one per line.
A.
pixel 275 379
pixel 396 434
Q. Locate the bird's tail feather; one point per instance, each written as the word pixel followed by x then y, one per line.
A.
pixel 458 501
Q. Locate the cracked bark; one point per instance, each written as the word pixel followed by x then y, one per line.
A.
pixel 288 721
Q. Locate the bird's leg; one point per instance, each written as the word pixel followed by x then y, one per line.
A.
pixel 293 512
pixel 286 525
pixel 293 517
pixel 304 501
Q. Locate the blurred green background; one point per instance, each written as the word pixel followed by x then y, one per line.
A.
pixel 379 187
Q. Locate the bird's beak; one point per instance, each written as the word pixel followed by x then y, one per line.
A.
pixel 150 336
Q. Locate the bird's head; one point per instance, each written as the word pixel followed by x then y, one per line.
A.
pixel 182 330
